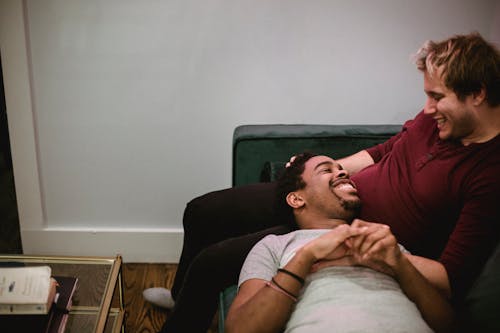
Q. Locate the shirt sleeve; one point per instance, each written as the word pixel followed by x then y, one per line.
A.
pixel 261 262
pixel 403 249
pixel 476 233
pixel 377 152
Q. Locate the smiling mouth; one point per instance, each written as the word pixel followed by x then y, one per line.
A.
pixel 342 184
pixel 440 121
pixel 345 187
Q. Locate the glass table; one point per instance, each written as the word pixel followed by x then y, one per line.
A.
pixel 98 304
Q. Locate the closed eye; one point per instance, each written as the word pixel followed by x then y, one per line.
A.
pixel 326 167
pixel 435 96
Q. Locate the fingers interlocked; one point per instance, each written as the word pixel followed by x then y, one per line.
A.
pixel 362 243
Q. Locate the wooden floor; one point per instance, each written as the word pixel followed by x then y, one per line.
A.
pixel 142 317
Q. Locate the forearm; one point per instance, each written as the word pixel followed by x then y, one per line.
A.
pixel 356 162
pixel 269 309
pixel 378 249
pixel 433 271
pixel 433 305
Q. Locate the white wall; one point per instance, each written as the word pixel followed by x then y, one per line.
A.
pixel 121 111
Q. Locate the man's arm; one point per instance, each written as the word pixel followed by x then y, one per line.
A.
pixel 356 162
pixel 257 308
pixel 433 305
pixel 433 271
pixel 352 163
pixel 377 248
pixel 262 306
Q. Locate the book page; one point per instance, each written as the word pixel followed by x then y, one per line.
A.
pixel 24 285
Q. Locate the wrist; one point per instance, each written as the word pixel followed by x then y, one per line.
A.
pixel 401 266
pixel 305 255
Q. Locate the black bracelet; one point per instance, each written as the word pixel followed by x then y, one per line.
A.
pixel 283 289
pixel 273 286
pixel 295 276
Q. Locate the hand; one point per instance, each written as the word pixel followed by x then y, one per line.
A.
pixel 331 245
pixel 376 247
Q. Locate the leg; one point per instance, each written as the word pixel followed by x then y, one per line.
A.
pixel 213 269
pixel 220 215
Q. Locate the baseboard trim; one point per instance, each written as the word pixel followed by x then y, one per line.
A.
pixel 135 245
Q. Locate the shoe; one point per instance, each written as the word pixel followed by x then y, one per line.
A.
pixel 160 297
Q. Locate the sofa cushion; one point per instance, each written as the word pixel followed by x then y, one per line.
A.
pixel 225 299
pixel 256 145
pixel 482 303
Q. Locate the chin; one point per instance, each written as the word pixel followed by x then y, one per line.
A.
pixel 444 135
pixel 349 218
pixel 351 214
pixel 351 209
pixel 351 205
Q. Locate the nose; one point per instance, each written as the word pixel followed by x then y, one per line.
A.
pixel 430 106
pixel 341 174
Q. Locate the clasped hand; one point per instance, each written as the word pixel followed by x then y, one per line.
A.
pixel 362 243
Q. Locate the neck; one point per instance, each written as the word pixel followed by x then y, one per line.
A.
pixel 488 125
pixel 314 222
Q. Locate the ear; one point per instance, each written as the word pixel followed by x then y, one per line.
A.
pixel 479 97
pixel 295 200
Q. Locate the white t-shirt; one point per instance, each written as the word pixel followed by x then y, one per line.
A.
pixel 335 299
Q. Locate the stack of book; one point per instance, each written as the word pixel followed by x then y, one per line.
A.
pixel 31 300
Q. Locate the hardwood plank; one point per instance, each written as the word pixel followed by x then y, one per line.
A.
pixel 141 316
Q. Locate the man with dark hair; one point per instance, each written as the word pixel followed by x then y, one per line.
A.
pixel 280 285
pixel 436 184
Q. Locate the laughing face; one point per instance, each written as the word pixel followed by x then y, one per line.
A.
pixel 456 119
pixel 329 192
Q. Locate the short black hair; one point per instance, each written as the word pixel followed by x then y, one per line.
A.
pixel 288 181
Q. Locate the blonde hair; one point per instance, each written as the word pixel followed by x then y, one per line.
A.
pixel 466 63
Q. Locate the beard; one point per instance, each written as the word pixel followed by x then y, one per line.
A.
pixel 349 201
pixel 351 208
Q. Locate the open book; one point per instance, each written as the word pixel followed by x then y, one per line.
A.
pixel 26 290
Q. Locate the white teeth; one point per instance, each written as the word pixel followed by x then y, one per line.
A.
pixel 345 186
pixel 440 121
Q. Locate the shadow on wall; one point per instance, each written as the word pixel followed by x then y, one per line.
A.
pixel 10 236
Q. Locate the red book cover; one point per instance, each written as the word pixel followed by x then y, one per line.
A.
pixel 66 287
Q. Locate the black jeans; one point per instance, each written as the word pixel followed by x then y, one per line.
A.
pixel 220 228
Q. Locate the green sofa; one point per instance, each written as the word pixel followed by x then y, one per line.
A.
pixel 260 151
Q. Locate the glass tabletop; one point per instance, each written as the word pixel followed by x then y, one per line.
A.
pixel 99 278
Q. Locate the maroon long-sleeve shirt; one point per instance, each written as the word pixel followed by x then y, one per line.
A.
pixel 440 198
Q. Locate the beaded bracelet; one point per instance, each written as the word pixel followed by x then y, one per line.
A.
pixel 295 276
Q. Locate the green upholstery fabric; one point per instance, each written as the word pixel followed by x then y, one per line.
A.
pixel 225 299
pixel 256 145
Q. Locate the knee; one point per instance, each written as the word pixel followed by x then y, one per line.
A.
pixel 195 212
pixel 207 210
